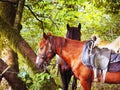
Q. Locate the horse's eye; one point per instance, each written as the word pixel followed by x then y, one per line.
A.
pixel 50 51
pixel 41 48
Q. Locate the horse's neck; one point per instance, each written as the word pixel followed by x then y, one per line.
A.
pixel 70 52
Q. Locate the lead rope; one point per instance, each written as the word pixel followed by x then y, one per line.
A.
pixel 4 71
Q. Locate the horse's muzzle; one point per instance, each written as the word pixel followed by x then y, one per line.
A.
pixel 41 63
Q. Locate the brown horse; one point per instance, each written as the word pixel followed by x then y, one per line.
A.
pixel 65 70
pixel 71 52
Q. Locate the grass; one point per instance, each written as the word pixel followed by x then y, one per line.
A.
pixel 101 86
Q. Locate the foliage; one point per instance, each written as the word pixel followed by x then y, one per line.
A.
pixel 26 78
pixel 37 82
pixel 112 6
pixel 40 81
pixel 4 84
pixel 56 14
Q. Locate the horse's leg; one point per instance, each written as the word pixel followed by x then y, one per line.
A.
pixel 64 78
pixel 0 78
pixel 95 74
pixel 104 74
pixel 86 85
pixel 74 84
pixel 68 75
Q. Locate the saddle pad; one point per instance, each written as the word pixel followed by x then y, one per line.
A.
pixel 115 57
pixel 114 67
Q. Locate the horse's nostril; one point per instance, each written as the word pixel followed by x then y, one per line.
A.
pixel 37 65
pixel 43 57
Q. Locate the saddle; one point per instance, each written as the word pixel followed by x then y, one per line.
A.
pixel 95 57
pixel 98 59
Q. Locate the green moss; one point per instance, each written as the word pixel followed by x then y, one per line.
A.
pixel 11 34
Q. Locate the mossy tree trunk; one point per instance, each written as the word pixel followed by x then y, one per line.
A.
pixel 10 30
pixel 8 14
pixel 12 78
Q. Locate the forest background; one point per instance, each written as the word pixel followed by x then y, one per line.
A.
pixel 101 17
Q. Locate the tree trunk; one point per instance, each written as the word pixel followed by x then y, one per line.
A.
pixel 11 58
pixel 8 13
pixel 11 76
pixel 15 41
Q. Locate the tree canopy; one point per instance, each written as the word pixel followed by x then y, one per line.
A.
pixel 53 16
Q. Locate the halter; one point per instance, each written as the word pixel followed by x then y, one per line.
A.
pixel 44 56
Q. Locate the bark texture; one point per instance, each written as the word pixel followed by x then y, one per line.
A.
pixel 11 76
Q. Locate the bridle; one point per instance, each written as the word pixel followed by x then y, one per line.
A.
pixel 45 54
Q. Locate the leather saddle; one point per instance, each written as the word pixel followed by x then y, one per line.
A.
pixel 98 59
pixel 95 56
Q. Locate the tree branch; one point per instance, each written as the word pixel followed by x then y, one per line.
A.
pixel 35 16
pixel 12 78
pixel 41 20
pixel 18 17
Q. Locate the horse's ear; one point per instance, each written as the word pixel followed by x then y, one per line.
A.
pixel 49 34
pixel 44 35
pixel 94 38
pixel 79 26
pixel 68 26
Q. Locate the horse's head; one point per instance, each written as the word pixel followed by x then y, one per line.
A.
pixel 73 32
pixel 46 51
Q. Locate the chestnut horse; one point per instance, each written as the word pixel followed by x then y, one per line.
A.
pixel 71 52
pixel 65 70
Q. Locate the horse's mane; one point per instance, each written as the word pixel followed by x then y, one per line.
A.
pixel 60 42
